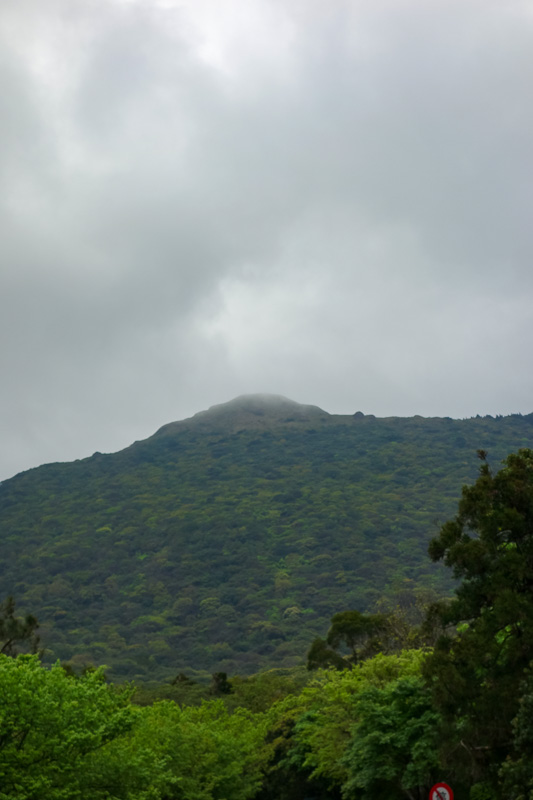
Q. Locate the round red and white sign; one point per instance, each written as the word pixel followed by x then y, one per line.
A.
pixel 441 791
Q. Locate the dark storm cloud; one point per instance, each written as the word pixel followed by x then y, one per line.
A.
pixel 199 199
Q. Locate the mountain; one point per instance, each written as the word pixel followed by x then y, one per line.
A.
pixel 227 541
pixel 248 412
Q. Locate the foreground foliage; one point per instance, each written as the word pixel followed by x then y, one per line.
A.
pixel 64 738
pixel 477 670
pixel 194 753
pixel 316 734
pixel 394 745
pixel 50 727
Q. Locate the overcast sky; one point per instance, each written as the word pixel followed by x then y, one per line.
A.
pixel 324 199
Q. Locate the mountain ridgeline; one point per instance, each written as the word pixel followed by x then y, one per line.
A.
pixel 228 540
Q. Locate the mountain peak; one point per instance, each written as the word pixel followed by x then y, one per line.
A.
pixel 264 404
pixel 250 411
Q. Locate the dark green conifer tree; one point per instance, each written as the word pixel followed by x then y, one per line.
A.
pixel 478 664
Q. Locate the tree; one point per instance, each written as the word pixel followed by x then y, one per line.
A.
pixel 202 753
pixel 354 631
pixel 517 771
pixel 314 729
pixel 349 630
pixel 394 745
pixel 407 624
pixel 17 631
pixel 320 655
pixel 51 725
pixel 477 668
pixel 220 684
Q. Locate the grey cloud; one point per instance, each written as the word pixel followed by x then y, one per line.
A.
pixel 340 217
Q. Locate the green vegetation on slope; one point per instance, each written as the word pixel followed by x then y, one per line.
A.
pixel 228 541
pixel 386 727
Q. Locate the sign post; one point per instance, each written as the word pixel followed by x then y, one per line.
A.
pixel 441 791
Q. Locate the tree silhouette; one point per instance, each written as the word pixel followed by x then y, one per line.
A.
pixel 17 632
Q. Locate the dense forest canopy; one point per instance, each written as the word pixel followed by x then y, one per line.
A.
pixel 228 541
pixel 382 726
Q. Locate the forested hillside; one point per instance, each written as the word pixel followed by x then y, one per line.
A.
pixel 227 541
pixel 391 719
